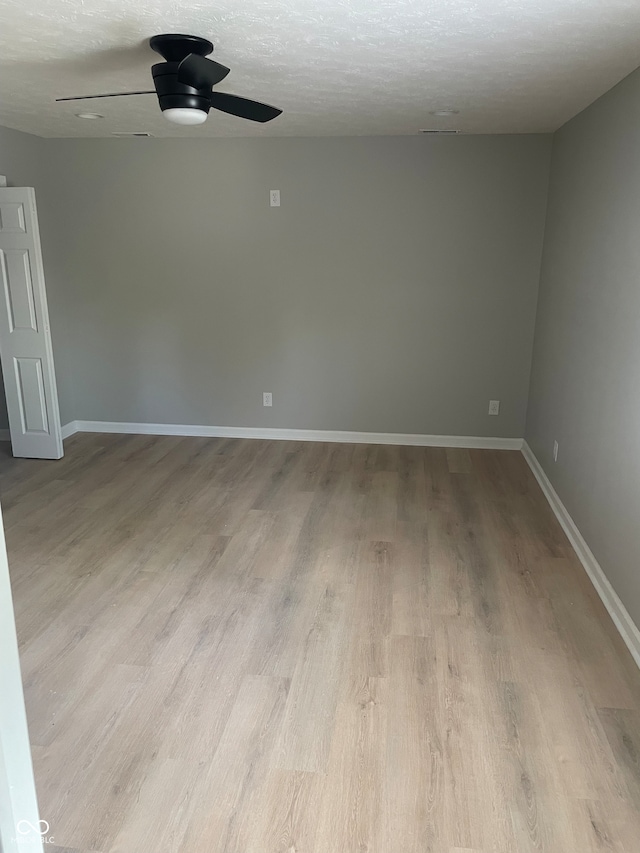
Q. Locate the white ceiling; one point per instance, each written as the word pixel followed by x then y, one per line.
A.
pixel 336 67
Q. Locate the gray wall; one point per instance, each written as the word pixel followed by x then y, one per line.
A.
pixel 585 385
pixel 394 290
pixel 20 157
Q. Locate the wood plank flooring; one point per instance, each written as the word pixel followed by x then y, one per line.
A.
pixel 274 647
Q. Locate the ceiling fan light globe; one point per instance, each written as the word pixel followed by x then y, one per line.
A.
pixel 185 116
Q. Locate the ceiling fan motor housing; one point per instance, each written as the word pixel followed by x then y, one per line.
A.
pixel 172 94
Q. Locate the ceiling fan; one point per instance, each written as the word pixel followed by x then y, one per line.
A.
pixel 184 81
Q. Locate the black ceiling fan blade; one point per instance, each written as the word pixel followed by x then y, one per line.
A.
pixel 243 107
pixel 200 72
pixel 110 95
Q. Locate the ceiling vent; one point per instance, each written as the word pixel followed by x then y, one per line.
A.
pixel 440 132
pixel 130 133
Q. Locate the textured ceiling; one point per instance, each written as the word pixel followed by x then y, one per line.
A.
pixel 336 67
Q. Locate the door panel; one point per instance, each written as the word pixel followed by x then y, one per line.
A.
pixel 12 220
pixel 17 282
pixel 25 339
pixel 31 395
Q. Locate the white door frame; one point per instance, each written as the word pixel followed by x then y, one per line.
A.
pixel 20 830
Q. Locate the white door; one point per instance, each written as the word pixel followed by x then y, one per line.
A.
pixel 25 339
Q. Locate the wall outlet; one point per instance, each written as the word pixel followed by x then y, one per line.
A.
pixel 267 398
pixel 274 198
pixel 494 407
pixel 555 451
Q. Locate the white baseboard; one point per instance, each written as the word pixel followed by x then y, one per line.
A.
pixel 295 435
pixel 69 429
pixel 624 623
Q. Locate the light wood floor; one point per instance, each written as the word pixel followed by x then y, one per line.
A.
pixel 274 647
